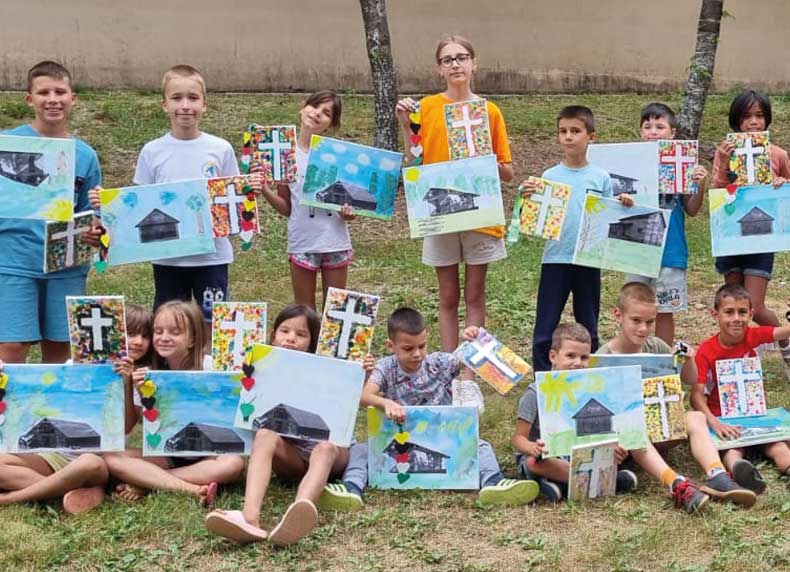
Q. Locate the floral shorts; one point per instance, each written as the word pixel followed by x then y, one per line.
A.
pixel 315 261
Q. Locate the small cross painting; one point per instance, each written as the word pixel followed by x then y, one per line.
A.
pixel 234 209
pixel 741 392
pixel 235 327
pixel 593 471
pixel 347 324
pixel 497 364
pixel 665 415
pixel 97 328
pixel 270 150
pixel 468 132
pixel 543 213
pixel 677 160
pixel 63 245
pixel 750 161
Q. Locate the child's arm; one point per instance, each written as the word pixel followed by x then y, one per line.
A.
pixel 693 203
pixel 522 443
pixel 781 333
pixel 721 164
pixel 279 197
pixel 371 398
pixel 625 199
pixel 506 171
pixel 125 368
pixel 688 373
pixel 700 403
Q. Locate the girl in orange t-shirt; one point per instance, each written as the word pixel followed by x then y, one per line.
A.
pixel 456 63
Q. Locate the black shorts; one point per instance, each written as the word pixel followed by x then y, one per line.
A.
pixel 206 284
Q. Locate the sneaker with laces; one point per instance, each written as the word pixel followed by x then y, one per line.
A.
pixel 509 492
pixel 747 475
pixel 723 488
pixel 550 490
pixel 626 481
pixel 688 496
pixel 336 496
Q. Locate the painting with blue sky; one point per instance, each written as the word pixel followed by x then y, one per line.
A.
pixel 435 448
pixel 582 406
pixel 752 220
pixel 152 222
pixel 633 168
pixel 75 408
pixel 299 394
pixel 195 411
pixel 772 427
pixel 340 172
pixel 37 178
pixel 653 365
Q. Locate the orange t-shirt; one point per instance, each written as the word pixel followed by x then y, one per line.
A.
pixel 435 149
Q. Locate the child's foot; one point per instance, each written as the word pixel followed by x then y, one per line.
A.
pixel 298 521
pixel 723 488
pixel 550 490
pixel 337 496
pixel 129 493
pixel 230 524
pixel 509 492
pixel 747 475
pixel 81 500
pixel 626 481
pixel 688 496
pixel 208 493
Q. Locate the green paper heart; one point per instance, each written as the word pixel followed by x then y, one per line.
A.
pixel 729 208
pixel 246 410
pixel 100 266
pixel 153 440
pixel 403 477
pixel 245 246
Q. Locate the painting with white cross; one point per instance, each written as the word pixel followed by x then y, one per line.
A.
pixel 468 132
pixel 97 328
pixel 741 392
pixel 235 327
pixel 63 245
pixel 543 212
pixel 347 324
pixel 234 209
pixel 751 160
pixel 677 160
pixel 592 471
pixel 496 363
pixel 271 151
pixel 665 414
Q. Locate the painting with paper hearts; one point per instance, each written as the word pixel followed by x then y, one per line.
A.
pixel 63 245
pixel 750 161
pixel 271 151
pixel 468 132
pixel 235 327
pixel 190 413
pixel 54 407
pixel 435 448
pixel 234 209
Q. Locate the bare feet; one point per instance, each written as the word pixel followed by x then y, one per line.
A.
pixel 207 494
pixel 81 500
pixel 129 493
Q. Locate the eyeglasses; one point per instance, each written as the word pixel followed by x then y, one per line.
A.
pixel 460 59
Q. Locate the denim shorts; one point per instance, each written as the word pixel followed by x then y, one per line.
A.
pixel 760 265
pixel 670 288
pixel 315 261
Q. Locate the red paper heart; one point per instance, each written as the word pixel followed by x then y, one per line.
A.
pixel 250 196
pixel 415 138
pixel 151 414
pixel 731 188
pixel 247 224
pixel 2 407
pixel 248 382
pixel 246 150
pixel 402 458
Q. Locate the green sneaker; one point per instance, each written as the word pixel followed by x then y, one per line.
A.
pixel 509 492
pixel 336 496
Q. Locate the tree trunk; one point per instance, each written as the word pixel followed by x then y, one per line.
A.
pixel 382 69
pixel 701 69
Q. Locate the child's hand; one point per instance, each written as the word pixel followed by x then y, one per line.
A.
pixel 92 237
pixel 403 108
pixel 256 183
pixel 537 449
pixel 347 213
pixel 726 148
pixel 528 188
pixel 124 367
pixel 724 431
pixel 138 376
pixel 625 199
pixel 93 198
pixel 778 182
pixel 471 333
pixel 683 350
pixel 620 454
pixel 699 174
pixel 368 364
pixel 394 411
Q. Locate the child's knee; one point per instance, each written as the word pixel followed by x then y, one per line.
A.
pixel 92 465
pixel 325 450
pixel 533 465
pixel 231 466
pixel 695 421
pixel 266 440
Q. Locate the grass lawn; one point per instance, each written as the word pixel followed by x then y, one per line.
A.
pixel 414 530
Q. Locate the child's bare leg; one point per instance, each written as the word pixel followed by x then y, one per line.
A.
pixel 779 453
pixel 665 327
pixel 700 441
pixel 334 277
pixel 150 473
pixel 303 282
pixel 87 470
pixel 449 298
pixel 54 352
pixel 223 469
pixel 553 469
pixel 757 286
pixel 14 352
pixel 654 464
pixel 21 471
pixel 731 456
pixel 325 459
pixel 475 294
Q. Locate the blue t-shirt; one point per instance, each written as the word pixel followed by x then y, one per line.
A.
pixel 22 240
pixel 588 178
pixel 676 251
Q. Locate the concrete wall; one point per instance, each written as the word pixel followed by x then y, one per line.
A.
pixel 268 45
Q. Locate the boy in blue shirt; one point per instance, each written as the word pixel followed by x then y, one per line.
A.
pixel 558 276
pixel 32 304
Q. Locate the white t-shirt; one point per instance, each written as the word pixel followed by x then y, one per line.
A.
pixel 168 159
pixel 312 229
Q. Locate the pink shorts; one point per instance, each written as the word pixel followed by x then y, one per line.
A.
pixel 315 261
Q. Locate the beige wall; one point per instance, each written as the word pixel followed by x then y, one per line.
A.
pixel 268 45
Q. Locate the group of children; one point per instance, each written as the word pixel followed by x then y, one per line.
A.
pixel 174 336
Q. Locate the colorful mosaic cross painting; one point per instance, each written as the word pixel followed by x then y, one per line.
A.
pixel 97 328
pixel 593 471
pixel 468 132
pixel 751 160
pixel 235 327
pixel 665 415
pixel 677 160
pixel 63 245
pixel 741 392
pixel 347 324
pixel 497 364
pixel 234 209
pixel 543 212
pixel 270 150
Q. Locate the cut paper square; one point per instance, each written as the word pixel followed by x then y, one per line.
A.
pixel 751 159
pixel 70 408
pixel 632 167
pixel 583 406
pixel 97 328
pixel 497 364
pixel 232 210
pixel 677 160
pixel 543 212
pixel 194 412
pixel 343 173
pixel 301 395
pixel 741 392
pixel 235 328
pixel 347 324
pixel 435 448
pixel 772 427
pixel 37 177
pixel 593 471
pixel 63 246
pixel 453 196
pixel 665 414
pixel 468 132
pixel 270 150
pixel 625 239
pixel 152 222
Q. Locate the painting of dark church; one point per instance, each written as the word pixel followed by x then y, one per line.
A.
pixel 756 222
pixel 294 422
pixel 421 459
pixel 593 419
pixel 646 228
pixel 21 167
pixel 201 438
pixel 342 193
pixel 157 226
pixel 622 184
pixel 60 434
pixel 450 201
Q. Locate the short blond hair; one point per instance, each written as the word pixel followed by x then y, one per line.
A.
pixel 638 292
pixel 184 70
pixel 571 331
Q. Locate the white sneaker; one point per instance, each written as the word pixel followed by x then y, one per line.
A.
pixel 467 393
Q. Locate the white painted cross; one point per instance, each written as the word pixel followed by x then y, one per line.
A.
pixel 232 200
pixel 349 318
pixel 71 234
pixel 240 325
pixel 97 324
pixel 276 147
pixel 467 123
pixel 602 459
pixel 679 160
pixel 740 378
pixel 486 352
pixel 662 399
pixel 546 201
pixel 749 152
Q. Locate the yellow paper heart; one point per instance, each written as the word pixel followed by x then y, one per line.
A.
pixel 105 240
pixel 3 380
pixel 401 438
pixel 415 117
pixel 247 136
pixel 258 352
pixel 148 388
pixel 249 205
pixel 411 175
pixel 315 141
